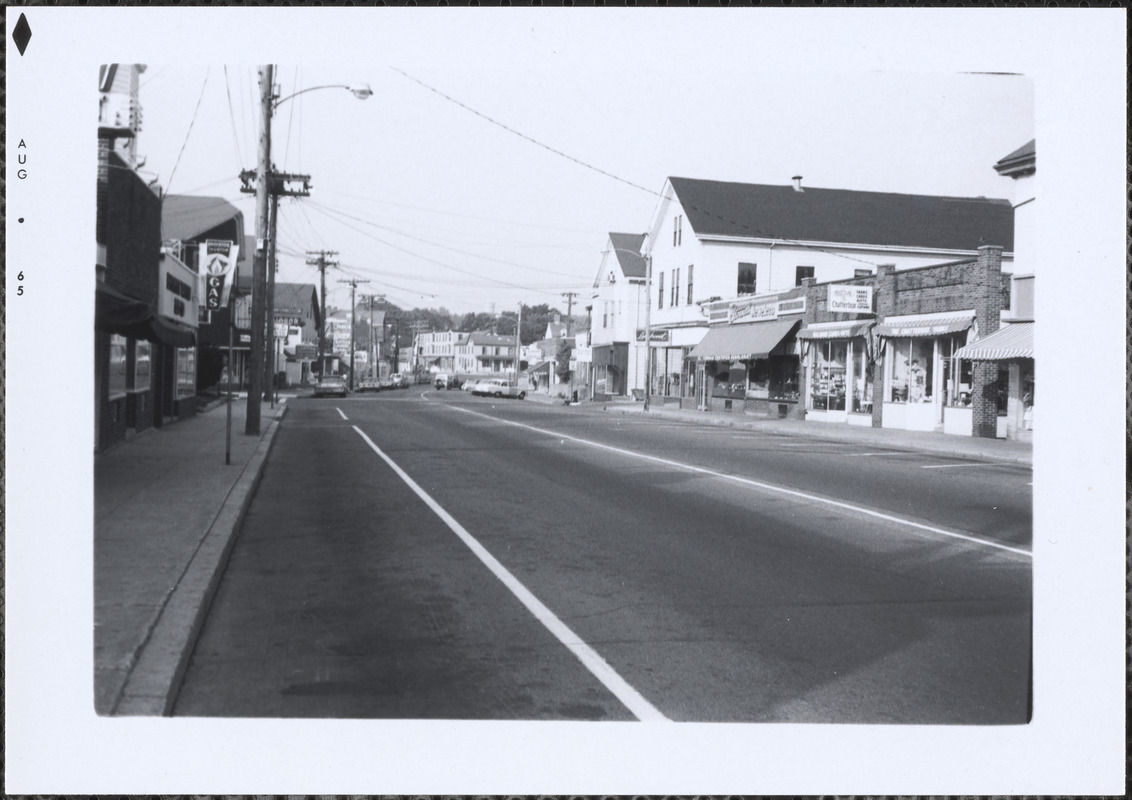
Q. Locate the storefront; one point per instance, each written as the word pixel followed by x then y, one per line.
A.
pixel 752 367
pixel 610 363
pixel 839 379
pixel 1012 348
pixel 924 386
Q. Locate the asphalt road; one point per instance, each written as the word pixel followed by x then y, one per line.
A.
pixel 431 555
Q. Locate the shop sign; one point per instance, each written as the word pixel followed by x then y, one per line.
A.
pixel 175 297
pixel 305 352
pixel 280 330
pixel 849 299
pixel 584 354
pixel 662 336
pixel 752 311
pixel 218 262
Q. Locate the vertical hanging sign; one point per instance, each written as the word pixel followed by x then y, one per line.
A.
pixel 217 265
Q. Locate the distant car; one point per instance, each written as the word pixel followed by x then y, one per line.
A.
pixel 446 381
pixel 498 387
pixel 470 385
pixel 399 380
pixel 331 384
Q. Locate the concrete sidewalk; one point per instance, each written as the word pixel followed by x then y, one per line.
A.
pixel 167 508
pixel 918 441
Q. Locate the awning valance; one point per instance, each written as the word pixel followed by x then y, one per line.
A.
pixel 1015 340
pixel 736 342
pixel 117 313
pixel 835 330
pixel 912 325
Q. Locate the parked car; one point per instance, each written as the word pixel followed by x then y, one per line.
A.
pixel 445 380
pixel 498 387
pixel 331 384
pixel 470 385
pixel 399 380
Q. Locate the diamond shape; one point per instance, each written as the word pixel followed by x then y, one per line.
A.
pixel 21 34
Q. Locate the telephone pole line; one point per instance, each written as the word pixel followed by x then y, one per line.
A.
pixel 353 288
pixel 322 263
pixel 569 310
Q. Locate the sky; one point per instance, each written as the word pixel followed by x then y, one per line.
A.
pixel 436 205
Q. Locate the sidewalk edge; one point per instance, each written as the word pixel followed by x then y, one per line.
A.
pixel 152 687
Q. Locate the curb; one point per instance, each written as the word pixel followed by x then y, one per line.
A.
pixel 835 434
pixel 154 682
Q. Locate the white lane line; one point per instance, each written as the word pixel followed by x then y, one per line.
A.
pixel 954 466
pixel 341 414
pixel 757 484
pixel 598 666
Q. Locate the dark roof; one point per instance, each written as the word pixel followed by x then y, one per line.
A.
pixel 297 298
pixel 844 216
pixel 1021 161
pixel 486 337
pixel 187 217
pixel 627 248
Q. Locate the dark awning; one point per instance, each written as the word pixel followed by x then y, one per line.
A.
pixel 114 312
pixel 736 342
pixel 614 355
pixel 1015 340
pixel 835 330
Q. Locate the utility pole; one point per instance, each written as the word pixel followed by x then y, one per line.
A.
pixel 353 288
pixel 648 321
pixel 373 337
pixel 569 311
pixel 322 263
pixel 276 188
pixel 259 262
pixel 518 342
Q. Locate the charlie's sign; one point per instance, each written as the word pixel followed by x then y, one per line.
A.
pixel 217 263
pixel 849 299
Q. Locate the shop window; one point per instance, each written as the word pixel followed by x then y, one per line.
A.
pixel 1027 388
pixel 910 371
pixel 802 272
pixel 143 355
pixel 783 377
pixel 862 382
pixel 731 381
pixel 748 275
pixel 116 381
pixel 1002 390
pixel 186 372
pixel 956 372
pixel 828 387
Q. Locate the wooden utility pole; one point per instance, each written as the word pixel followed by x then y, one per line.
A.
pixel 569 311
pixel 259 262
pixel 353 288
pixel 322 263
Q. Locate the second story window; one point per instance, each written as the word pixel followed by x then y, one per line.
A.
pixel 802 272
pixel 660 291
pixel 675 288
pixel 748 278
pixel 677 230
pixel 689 299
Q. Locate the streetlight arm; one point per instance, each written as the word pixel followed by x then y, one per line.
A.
pixel 360 91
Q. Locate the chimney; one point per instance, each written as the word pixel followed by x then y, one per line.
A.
pixel 798 183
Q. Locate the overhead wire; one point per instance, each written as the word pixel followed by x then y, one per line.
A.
pixel 232 116
pixel 188 133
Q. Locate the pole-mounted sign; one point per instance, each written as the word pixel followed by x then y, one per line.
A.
pixel 217 263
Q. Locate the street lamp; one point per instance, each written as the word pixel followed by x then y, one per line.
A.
pixel 265 237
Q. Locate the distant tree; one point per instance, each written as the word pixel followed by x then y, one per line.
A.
pixel 562 355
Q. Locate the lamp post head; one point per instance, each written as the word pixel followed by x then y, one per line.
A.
pixel 360 90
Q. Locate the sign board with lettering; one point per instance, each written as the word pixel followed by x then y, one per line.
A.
pixel 849 299
pixel 176 292
pixel 657 336
pixel 762 310
pixel 217 265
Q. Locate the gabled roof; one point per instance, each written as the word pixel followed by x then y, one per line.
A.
pixel 1022 161
pixel 187 217
pixel 295 298
pixel 718 208
pixel 627 249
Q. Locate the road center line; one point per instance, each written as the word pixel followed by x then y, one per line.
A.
pixel 758 484
pixel 598 666
pixel 341 414
pixel 953 466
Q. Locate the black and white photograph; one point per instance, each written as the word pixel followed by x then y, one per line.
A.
pixel 522 400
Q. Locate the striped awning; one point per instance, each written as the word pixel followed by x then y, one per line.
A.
pixel 1015 340
pixel 926 324
pixel 737 342
pixel 835 330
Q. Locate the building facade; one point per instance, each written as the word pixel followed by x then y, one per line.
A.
pixel 616 363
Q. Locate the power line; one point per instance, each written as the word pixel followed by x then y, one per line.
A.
pixel 187 133
pixel 232 116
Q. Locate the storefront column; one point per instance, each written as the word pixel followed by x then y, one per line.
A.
pixel 984 401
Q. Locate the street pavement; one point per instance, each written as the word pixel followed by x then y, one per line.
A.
pixel 168 508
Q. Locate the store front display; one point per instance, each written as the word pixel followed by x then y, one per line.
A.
pixel 839 377
pixel 752 367
pixel 1012 349
pixel 923 382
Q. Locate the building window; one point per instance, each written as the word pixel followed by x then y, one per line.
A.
pixel 675 288
pixel 748 278
pixel 660 291
pixel 827 389
pixel 956 373
pixel 605 314
pixel 910 370
pixel 689 300
pixel 802 272
pixel 117 376
pixel 186 372
pixel 142 370
pixel 677 230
